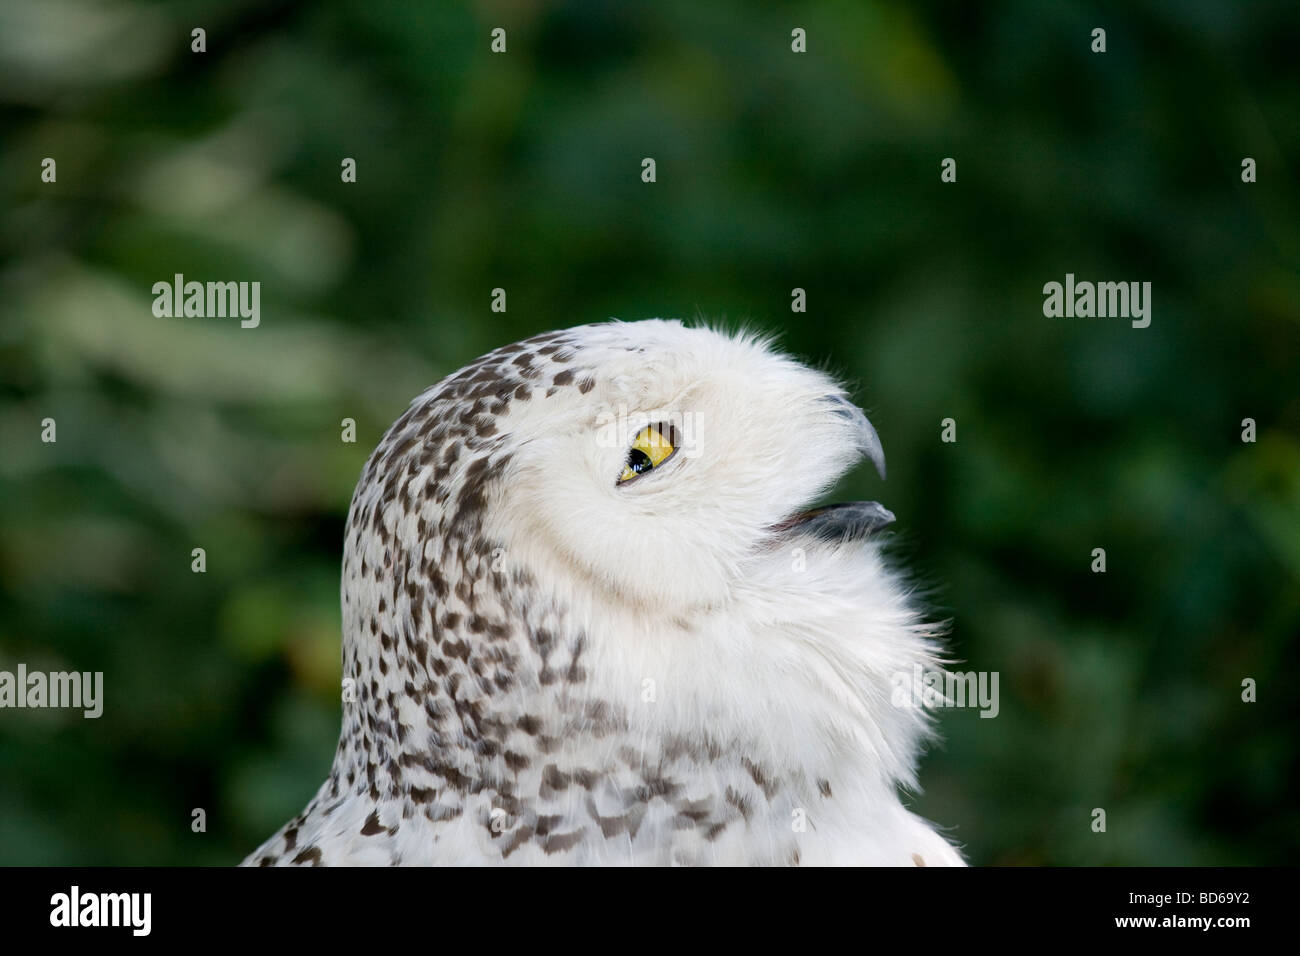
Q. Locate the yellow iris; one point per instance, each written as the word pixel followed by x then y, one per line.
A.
pixel 650 448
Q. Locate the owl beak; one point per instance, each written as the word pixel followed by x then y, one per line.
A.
pixel 868 441
pixel 843 522
pixel 855 519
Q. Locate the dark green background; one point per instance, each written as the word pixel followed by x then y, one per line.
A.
pixel 775 170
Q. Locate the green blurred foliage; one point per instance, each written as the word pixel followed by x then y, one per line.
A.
pixel 775 170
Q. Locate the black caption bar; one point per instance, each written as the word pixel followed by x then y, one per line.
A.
pixel 333 907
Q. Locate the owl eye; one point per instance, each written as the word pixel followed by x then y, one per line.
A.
pixel 652 446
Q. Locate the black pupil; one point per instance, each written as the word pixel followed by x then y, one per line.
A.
pixel 639 461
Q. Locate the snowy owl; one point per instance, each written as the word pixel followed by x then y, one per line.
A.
pixel 592 616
